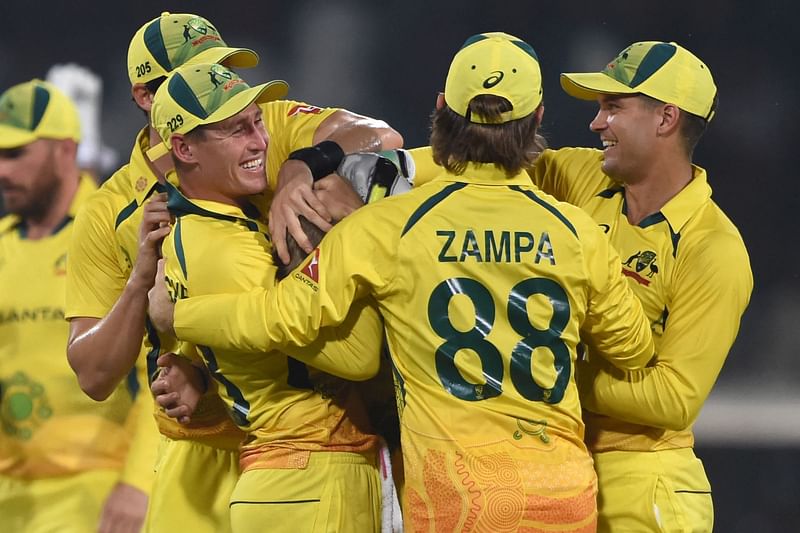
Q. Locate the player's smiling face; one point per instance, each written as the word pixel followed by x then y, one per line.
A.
pixel 627 126
pixel 232 155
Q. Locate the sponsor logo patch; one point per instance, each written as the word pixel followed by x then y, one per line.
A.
pixel 305 109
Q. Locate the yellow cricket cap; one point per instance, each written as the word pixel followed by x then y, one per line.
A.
pixel 171 40
pixel 498 64
pixel 664 71
pixel 198 94
pixel 36 110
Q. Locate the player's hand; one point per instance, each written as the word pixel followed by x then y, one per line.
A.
pixel 160 307
pixel 338 196
pixel 294 197
pixel 124 510
pixel 154 227
pixel 179 387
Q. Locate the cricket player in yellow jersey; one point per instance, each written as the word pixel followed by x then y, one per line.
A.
pixel 486 286
pixel 308 444
pixel 683 258
pixel 107 292
pixel 65 460
pixel 107 285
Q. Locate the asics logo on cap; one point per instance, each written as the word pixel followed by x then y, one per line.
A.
pixel 494 79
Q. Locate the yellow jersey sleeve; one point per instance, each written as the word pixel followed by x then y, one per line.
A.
pixel 710 291
pixel 424 167
pixel 615 326
pixel 291 125
pixel 570 174
pixel 95 278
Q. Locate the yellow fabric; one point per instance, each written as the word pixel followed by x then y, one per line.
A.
pixel 183 38
pixel 192 488
pixel 495 64
pixel 694 291
pixel 466 408
pixel 102 252
pixel 283 405
pixel 337 491
pixel 70 504
pixel 665 491
pixel 664 71
pixel 291 125
pixel 197 94
pixel 20 106
pixel 143 449
pixel 48 426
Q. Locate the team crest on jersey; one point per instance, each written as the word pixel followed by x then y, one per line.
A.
pixel 644 267
pixel 60 266
pixel 24 406
pixel 141 183
pixel 309 274
pixel 304 109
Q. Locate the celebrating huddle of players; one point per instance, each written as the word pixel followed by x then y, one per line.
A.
pixel 519 342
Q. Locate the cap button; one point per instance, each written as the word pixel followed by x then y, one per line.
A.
pixel 165 13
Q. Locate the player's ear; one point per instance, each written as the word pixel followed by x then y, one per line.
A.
pixel 440 103
pixel 142 97
pixel 670 117
pixel 182 149
pixel 539 114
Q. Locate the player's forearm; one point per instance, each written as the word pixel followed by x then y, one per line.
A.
pixel 657 396
pixel 350 350
pixel 102 352
pixel 354 133
pixel 221 321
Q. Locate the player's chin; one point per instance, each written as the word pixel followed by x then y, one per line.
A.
pixel 253 183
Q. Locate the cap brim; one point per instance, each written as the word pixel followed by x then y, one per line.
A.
pixel 11 137
pixel 587 85
pixel 260 94
pixel 230 57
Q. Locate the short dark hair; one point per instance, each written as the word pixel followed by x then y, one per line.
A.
pixel 692 127
pixel 512 146
pixel 151 86
pixel 296 254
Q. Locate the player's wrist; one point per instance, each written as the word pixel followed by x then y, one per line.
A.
pixel 321 159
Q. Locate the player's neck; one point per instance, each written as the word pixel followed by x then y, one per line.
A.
pixel 655 188
pixel 43 224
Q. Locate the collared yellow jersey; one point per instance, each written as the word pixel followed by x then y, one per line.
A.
pixel 48 426
pixel 101 256
pixel 105 247
pixel 287 409
pixel 688 265
pixel 486 286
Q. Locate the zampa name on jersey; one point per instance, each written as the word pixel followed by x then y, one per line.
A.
pixel 641 267
pixel 492 246
pixel 31 315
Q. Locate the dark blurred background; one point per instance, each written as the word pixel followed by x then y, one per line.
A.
pixel 388 59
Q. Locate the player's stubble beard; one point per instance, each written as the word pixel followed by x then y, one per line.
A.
pixel 41 196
